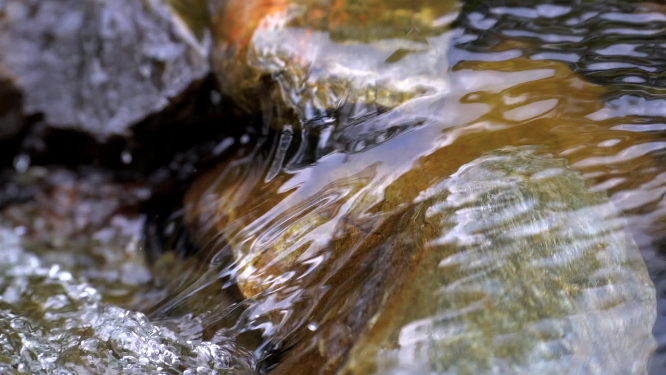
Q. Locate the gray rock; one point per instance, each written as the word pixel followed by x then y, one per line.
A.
pixel 98 66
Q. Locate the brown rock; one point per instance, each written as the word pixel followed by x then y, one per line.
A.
pixel 11 100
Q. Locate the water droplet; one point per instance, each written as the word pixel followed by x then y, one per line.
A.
pixel 21 162
pixel 169 229
pixel 126 157
pixel 244 139
pixel 215 97
pixel 313 326
pixel 53 271
pixel 145 71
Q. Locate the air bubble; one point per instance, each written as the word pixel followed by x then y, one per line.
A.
pixel 21 163
pixel 126 157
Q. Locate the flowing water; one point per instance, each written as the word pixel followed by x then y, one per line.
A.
pixel 377 237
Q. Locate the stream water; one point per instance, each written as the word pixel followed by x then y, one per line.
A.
pixel 299 226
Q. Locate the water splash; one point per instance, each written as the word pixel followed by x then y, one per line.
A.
pixel 52 322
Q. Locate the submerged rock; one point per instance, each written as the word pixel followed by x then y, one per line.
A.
pixel 330 257
pixel 95 66
pixel 317 68
pixel 386 228
pixel 511 266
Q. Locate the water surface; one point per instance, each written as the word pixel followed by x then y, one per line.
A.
pixel 285 223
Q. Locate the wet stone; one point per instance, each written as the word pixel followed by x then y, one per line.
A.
pixel 84 221
pixel 351 262
pixel 510 263
pixel 97 66
pixel 326 68
pixel 526 272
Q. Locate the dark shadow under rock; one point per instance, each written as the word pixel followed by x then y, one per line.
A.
pixel 11 116
pixel 11 100
pixel 201 117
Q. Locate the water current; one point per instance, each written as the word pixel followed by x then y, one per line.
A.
pixel 483 195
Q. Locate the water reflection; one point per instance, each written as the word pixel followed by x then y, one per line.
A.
pixel 327 250
pixel 379 223
pixel 528 267
pixel 307 248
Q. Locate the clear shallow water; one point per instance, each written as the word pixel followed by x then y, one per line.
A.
pixel 318 217
pixel 304 216
pixel 52 322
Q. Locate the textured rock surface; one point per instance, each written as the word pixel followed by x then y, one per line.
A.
pixel 98 66
pixel 522 271
pixel 319 250
pixel 322 67
pixel 511 265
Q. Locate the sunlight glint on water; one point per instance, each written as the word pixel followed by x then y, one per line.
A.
pixel 303 222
